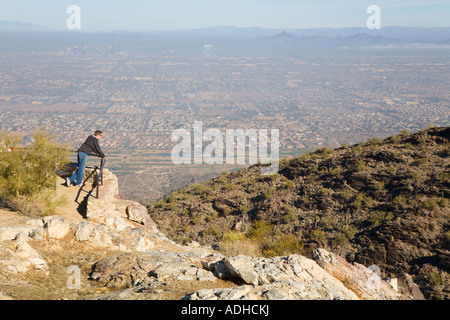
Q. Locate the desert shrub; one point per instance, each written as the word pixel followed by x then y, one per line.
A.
pixel 362 201
pixel 447 235
pixel 434 203
pixel 243 208
pixel 28 174
pixel 289 184
pixel 346 194
pixel 444 176
pixel 324 191
pixel 442 202
pixel 27 171
pixel 327 222
pixel 390 169
pixel 210 231
pixel 414 174
pixel 375 141
pixel 379 185
pixel 283 245
pixel 222 179
pixel 395 139
pixel 171 205
pixel 214 216
pixel 318 235
pixel 260 230
pixel 350 232
pixel 336 172
pixel 340 239
pixel 324 152
pixel 361 165
pixel 399 201
pixel 198 188
pixel 230 186
pixel 155 215
pixel 290 214
pixel 420 161
pixel 161 203
pixel 377 217
pixel 269 178
pixel 234 243
pixel 436 278
pixel 269 193
pixel 422 142
pixel 226 211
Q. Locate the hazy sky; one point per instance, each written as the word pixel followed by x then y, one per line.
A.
pixel 154 15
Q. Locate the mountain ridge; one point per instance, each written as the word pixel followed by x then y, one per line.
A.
pixel 382 202
pixel 115 252
pixel 406 34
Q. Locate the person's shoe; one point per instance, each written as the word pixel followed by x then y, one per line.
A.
pixel 79 185
pixel 68 182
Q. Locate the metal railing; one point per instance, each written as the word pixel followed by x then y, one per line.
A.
pixel 100 176
pixel 99 181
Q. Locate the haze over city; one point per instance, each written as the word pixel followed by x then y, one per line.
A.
pixel 137 15
pixel 138 70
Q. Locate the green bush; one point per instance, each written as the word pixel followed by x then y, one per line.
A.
pixel 404 133
pixel 346 194
pixel 362 200
pixel 289 184
pixel 436 278
pixel 377 217
pixel 361 165
pixel 290 214
pixel 399 201
pixel 198 188
pixel 379 185
pixel 318 235
pixel 28 171
pixel 340 239
pixel 269 193
pixel 283 245
pixel 336 172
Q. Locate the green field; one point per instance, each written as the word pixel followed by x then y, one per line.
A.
pixel 124 162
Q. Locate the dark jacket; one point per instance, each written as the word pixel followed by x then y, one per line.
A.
pixel 91 146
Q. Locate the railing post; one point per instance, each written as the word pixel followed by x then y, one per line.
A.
pixel 101 169
pixel 96 189
pixel 100 178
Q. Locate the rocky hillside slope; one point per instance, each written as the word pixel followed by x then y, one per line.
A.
pixel 382 202
pixel 114 251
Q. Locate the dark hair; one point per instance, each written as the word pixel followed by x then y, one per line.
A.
pixel 97 133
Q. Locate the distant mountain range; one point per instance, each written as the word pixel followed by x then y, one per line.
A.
pixel 14 26
pixel 405 34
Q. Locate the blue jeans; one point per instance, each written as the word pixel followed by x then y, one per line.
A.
pixel 78 175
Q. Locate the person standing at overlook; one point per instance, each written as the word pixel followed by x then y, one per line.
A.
pixel 90 146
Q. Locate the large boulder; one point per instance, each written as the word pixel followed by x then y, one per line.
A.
pixel 133 269
pixel 326 276
pixel 56 227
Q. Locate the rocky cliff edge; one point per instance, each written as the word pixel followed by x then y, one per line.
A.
pixel 116 252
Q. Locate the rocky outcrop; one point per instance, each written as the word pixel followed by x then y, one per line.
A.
pixel 144 261
pixel 117 213
pixel 295 277
pixel 291 277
